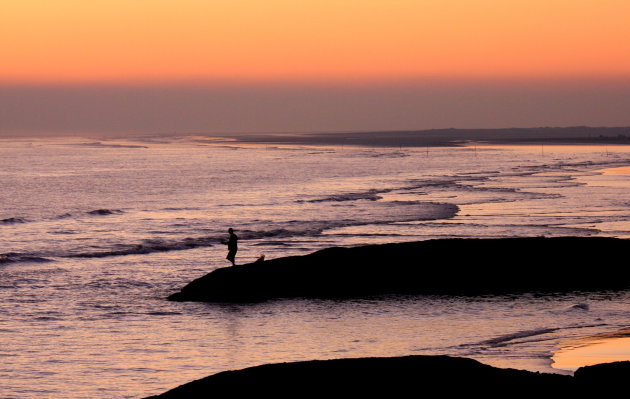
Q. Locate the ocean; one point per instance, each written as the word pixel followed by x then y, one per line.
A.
pixel 94 234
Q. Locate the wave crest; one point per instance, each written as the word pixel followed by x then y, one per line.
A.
pixel 13 220
pixel 13 257
pixel 371 195
pixel 105 212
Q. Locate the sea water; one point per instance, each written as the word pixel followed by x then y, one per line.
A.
pixel 95 234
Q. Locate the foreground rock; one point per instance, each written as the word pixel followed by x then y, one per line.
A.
pixel 435 267
pixel 410 376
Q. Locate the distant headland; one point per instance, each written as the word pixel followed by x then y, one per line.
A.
pixel 451 137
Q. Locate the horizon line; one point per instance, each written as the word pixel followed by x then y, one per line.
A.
pixel 319 82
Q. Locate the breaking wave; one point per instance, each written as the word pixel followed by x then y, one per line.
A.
pixel 95 212
pixel 104 212
pixel 149 246
pixel 413 211
pixel 513 338
pixel 99 144
pixel 13 257
pixel 371 195
pixel 503 339
pixel 13 220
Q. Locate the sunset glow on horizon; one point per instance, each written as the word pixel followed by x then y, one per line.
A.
pixel 72 41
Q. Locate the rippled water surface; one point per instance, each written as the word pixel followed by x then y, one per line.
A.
pixel 94 235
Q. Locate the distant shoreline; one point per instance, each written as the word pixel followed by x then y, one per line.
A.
pixel 447 137
pixel 579 135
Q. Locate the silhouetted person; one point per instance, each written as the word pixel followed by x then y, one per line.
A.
pixel 232 247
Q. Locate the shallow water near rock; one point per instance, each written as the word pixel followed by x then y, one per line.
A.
pixel 94 237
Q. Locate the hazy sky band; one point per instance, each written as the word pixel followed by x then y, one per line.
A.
pixel 254 40
pixel 223 108
pixel 163 66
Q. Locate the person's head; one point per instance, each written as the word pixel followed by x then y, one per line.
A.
pixel 230 230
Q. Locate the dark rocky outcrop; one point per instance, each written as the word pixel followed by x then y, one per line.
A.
pixel 612 376
pixel 410 376
pixel 434 267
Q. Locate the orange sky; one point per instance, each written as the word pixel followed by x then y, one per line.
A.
pixel 258 40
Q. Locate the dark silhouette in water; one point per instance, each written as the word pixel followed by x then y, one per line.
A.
pixel 232 245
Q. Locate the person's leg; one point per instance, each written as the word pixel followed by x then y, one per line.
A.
pixel 232 257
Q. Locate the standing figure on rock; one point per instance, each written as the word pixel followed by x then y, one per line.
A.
pixel 232 247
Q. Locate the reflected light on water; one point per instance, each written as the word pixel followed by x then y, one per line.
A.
pixel 597 351
pixel 625 170
pixel 95 235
